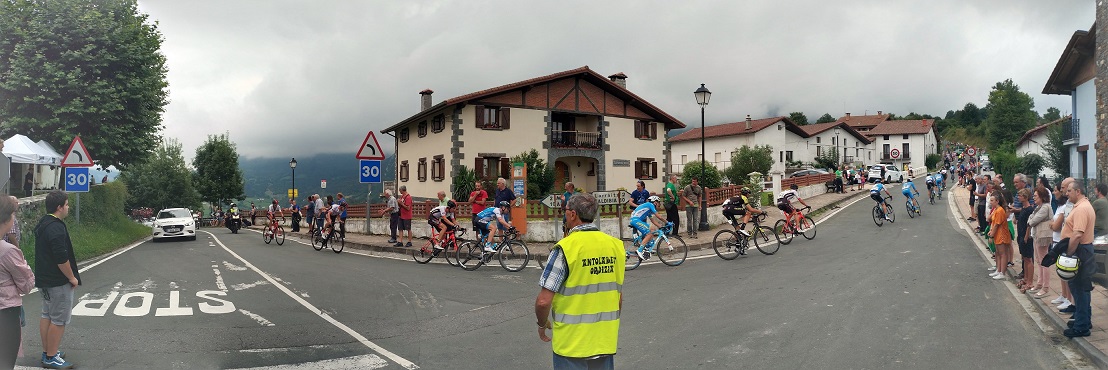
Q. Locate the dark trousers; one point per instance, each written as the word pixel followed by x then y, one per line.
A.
pixel 838 184
pixel 981 215
pixel 309 221
pixel 673 216
pixel 342 227
pixel 9 336
pixel 394 222
pixel 295 222
pixel 1082 300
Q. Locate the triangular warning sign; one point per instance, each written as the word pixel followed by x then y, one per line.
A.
pixel 77 155
pixel 370 149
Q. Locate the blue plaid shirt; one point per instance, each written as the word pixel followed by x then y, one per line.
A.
pixel 554 275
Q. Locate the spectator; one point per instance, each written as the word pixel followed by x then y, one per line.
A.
pixel 671 204
pixel 570 189
pixel 309 213
pixel 1039 232
pixel 691 195
pixel 504 194
pixel 442 198
pixel 56 276
pixel 253 213
pixel 838 181
pixel 1024 241
pixel 13 235
pixel 295 210
pixel 320 211
pixel 1065 299
pixel 639 196
pixel 1100 206
pixel 1078 227
pixel 591 344
pixel 971 185
pixel 393 210
pixel 105 180
pixel 1002 238
pixel 342 214
pixel 405 214
pixel 1043 182
pixel 477 199
pixel 16 280
pixel 29 182
pixel 981 193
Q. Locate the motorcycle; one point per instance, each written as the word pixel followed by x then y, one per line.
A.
pixel 234 223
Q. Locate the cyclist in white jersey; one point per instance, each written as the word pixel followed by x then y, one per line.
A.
pixel 785 201
pixel 875 194
pixel 442 219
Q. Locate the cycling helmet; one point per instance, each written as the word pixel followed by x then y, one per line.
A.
pixel 274 201
pixel 878 181
pixel 503 203
pixel 233 205
pixel 451 204
pixel 654 198
pixel 1067 267
pixel 745 191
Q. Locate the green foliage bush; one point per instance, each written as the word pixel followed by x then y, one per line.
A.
pixel 712 177
pixel 932 161
pixel 103 227
pixel 747 160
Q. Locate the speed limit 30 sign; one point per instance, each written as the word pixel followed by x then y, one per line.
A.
pixel 369 171
pixel 76 179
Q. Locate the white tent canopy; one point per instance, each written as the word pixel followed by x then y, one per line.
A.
pixel 50 149
pixel 22 149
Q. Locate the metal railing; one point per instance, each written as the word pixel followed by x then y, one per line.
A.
pixel 576 139
pixel 1071 130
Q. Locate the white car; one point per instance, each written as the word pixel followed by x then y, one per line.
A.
pixel 892 174
pixel 174 223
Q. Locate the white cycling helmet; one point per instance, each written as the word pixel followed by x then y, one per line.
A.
pixel 654 198
pixel 1067 267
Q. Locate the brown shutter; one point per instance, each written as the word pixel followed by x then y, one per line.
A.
pixel 480 109
pixel 638 131
pixel 654 130
pixel 653 170
pixel 505 123
pixel 479 167
pixel 638 167
pixel 505 168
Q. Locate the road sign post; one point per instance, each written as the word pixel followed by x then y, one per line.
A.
pixel 369 171
pixel 76 163
pixel 617 197
pixel 370 148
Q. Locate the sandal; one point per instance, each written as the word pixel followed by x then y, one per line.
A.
pixel 1034 290
pixel 1042 293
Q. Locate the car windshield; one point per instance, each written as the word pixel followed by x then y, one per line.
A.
pixel 174 213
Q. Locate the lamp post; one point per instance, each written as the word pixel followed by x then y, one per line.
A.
pixel 840 158
pixel 702 96
pixel 292 165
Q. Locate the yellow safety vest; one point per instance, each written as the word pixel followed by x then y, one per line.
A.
pixel 586 310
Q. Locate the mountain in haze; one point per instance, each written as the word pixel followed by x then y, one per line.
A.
pixel 269 178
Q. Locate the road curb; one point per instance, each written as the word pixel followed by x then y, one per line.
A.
pixel 1098 357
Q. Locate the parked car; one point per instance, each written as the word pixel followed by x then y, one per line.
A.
pixel 811 172
pixel 174 223
pixel 892 174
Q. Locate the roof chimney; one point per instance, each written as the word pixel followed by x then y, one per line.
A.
pixel 847 116
pixel 878 113
pixel 620 79
pixel 425 99
pixel 748 122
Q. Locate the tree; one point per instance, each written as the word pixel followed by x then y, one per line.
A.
pixel 91 68
pixel 1052 114
pixel 798 118
pixel 163 181
pixel 464 182
pixel 540 175
pixel 932 161
pixel 745 160
pixel 711 177
pixel 1057 154
pixel 217 176
pixel 825 118
pixel 1032 164
pixel 1010 114
pixel 829 159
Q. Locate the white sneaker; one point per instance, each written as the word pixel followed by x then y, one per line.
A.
pixel 999 277
pixel 1065 304
pixel 1058 300
pixel 489 249
pixel 744 232
pixel 992 268
pixel 994 274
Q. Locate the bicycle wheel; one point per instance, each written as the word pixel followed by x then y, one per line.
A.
pixel 633 260
pixel 783 233
pixel 425 253
pixel 807 227
pixel 726 244
pixel 451 252
pixel 469 256
pixel 280 235
pixel 267 235
pixel 762 241
pixel 336 242
pixel 892 215
pixel 673 252
pixel 908 206
pixel 513 256
pixel 317 240
pixel 878 216
pixel 931 198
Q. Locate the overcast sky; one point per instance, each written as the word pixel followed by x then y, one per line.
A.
pixel 295 78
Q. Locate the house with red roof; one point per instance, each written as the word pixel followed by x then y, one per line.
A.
pixel 1034 142
pixel 853 147
pixel 1075 75
pixel 904 143
pixel 593 130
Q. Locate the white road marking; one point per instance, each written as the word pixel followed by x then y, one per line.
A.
pixel 362 339
pixel 256 317
pixel 233 267
pixel 219 280
pixel 248 285
pixel 105 259
pixel 367 362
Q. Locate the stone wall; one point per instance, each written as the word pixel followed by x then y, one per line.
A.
pixel 1101 60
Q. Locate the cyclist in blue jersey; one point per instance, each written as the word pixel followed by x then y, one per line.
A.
pixel 910 192
pixel 486 225
pixel 647 212
pixel 875 194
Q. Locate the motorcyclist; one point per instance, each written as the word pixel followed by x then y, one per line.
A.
pixel 231 212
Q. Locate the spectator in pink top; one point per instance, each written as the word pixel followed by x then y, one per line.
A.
pixel 16 279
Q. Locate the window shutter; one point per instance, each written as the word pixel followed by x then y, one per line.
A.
pixel 638 131
pixel 638 167
pixel 480 109
pixel 653 170
pixel 654 130
pixel 504 122
pixel 479 167
pixel 505 168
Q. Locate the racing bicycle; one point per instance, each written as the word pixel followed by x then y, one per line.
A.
pixel 913 210
pixel 671 250
pixel 729 244
pixel 274 231
pixel 879 212
pixel 449 247
pixel 326 235
pixel 797 224
pixel 510 251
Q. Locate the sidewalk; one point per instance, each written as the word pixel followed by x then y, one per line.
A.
pixel 1094 346
pixel 379 243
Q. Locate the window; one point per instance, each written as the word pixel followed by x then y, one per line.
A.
pixel 421 169
pixel 438 168
pixel 646 168
pixel 789 155
pixel 818 139
pixel 885 151
pixel 403 171
pixel 905 136
pixel 438 123
pixel 403 135
pixel 904 151
pixel 834 141
pixel 855 143
pixel 646 130
pixel 490 167
pixel 886 137
pixel 684 158
pixel 781 156
pixel 422 129
pixel 718 157
pixel 819 150
pixel 492 118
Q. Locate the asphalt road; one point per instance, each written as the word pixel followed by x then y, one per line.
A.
pixel 910 295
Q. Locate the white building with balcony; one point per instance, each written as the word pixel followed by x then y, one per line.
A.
pixel 1075 75
pixel 1034 141
pixel 721 141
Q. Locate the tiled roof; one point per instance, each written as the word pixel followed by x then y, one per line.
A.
pixel 1027 135
pixel 902 127
pixel 1079 50
pixel 863 121
pixel 816 128
pixel 736 128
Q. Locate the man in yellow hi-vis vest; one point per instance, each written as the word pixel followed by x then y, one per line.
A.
pixel 582 291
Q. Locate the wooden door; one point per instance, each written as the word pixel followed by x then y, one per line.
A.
pixel 561 175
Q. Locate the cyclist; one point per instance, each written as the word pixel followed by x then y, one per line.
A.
pixel 930 181
pixel 334 211
pixel 647 211
pixel 875 194
pixel 740 205
pixel 274 210
pixel 485 225
pixel 785 202
pixel 942 180
pixel 910 192
pixel 442 219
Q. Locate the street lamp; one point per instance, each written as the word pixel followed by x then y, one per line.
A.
pixel 837 154
pixel 292 165
pixel 702 96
